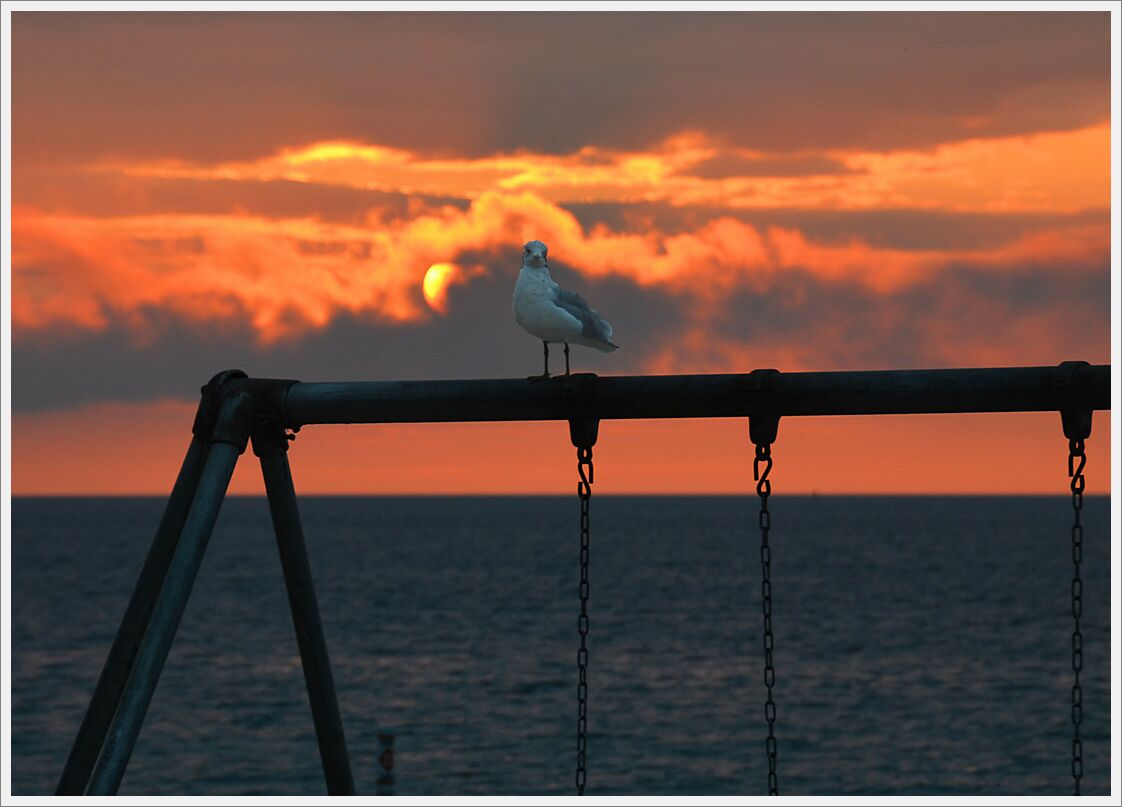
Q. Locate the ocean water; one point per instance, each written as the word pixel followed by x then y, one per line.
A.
pixel 922 645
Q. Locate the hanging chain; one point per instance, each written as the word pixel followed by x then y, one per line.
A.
pixel 584 491
pixel 1075 452
pixel 763 488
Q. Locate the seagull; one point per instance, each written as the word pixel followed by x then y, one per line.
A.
pixel 543 309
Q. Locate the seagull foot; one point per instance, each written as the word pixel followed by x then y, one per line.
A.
pixel 543 377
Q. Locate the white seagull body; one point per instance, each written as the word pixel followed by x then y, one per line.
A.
pixel 551 314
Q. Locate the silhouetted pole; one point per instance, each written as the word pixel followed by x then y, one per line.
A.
pixel 107 694
pixel 271 445
pixel 1071 385
pixel 227 443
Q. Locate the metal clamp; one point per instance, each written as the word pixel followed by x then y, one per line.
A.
pixel 584 425
pixel 269 438
pixel 1076 419
pixel 206 416
pixel 583 431
pixel 233 421
pixel 763 425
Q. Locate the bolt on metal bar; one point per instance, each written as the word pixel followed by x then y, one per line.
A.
pixel 874 392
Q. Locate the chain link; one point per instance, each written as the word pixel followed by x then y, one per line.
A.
pixel 1076 452
pixel 584 491
pixel 763 489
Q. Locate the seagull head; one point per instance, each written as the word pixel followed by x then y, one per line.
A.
pixel 533 254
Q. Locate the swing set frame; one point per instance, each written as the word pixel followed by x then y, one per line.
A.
pixel 236 410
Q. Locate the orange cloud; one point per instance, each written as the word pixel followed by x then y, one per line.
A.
pixel 284 276
pixel 1046 172
pixel 1059 172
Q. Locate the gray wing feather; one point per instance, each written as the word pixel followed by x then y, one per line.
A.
pixel 593 326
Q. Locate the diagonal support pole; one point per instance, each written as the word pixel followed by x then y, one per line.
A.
pixel 270 444
pixel 107 694
pixel 111 683
pixel 227 443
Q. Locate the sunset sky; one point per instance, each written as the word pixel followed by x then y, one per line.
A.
pixel 344 196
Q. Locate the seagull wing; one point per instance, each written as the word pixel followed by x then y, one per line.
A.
pixel 593 326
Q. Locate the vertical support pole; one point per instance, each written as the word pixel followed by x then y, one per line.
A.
pixel 111 683
pixel 227 443
pixel 270 444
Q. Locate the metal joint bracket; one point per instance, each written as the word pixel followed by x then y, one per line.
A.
pixel 233 421
pixel 583 431
pixel 270 398
pixel 269 437
pixel 268 427
pixel 763 425
pixel 206 416
pixel 1077 423
pixel 583 424
pixel 1073 382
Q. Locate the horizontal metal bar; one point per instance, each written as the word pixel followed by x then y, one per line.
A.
pixel 1069 386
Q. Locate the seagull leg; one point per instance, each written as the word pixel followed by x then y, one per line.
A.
pixel 566 358
pixel 545 348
